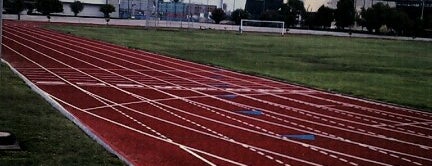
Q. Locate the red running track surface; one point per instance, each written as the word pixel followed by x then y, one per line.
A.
pixel 156 110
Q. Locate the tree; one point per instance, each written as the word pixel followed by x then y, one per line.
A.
pixel 239 14
pixel 106 9
pixel 30 7
pixel 46 7
pixel 218 15
pixel 292 11
pixel 324 17
pixel 400 22
pixel 271 15
pixel 345 13
pixel 375 17
pixel 14 7
pixel 76 7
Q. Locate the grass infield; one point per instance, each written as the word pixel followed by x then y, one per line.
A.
pixel 46 137
pixel 387 70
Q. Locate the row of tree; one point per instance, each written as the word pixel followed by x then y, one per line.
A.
pixel 380 18
pixel 46 7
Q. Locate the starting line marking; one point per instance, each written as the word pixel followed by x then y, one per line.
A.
pixel 90 84
pixel 130 85
pixel 51 82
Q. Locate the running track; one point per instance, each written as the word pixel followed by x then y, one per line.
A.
pixel 155 110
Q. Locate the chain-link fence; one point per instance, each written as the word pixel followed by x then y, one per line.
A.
pixel 170 13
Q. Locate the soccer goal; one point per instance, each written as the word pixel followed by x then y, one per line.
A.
pixel 262 26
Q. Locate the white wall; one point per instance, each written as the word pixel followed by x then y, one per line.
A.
pixel 90 10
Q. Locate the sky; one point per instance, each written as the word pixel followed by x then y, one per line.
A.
pixel 312 4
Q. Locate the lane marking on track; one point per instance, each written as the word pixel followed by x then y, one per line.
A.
pixel 130 85
pixel 90 84
pixel 51 82
pixel 99 98
pixel 408 124
pixel 92 94
pixel 147 134
pixel 196 155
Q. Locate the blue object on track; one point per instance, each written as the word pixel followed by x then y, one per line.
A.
pixel 251 112
pixel 309 137
pixel 229 96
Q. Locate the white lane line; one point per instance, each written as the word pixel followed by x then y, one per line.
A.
pixel 130 85
pixel 90 84
pixel 331 117
pixel 196 155
pixel 267 151
pixel 101 99
pixel 50 82
pixel 149 135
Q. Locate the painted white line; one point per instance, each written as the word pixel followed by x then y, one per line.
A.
pixel 91 94
pixel 129 85
pixel 90 84
pixel 197 156
pixel 51 82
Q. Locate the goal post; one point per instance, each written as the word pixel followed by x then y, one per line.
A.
pixel 262 26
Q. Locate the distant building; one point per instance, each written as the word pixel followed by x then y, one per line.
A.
pixel 256 7
pixel 91 8
pixel 142 9
pixel 184 11
pixel 415 8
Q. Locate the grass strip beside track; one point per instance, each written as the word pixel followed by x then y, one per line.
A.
pixel 392 71
pixel 46 137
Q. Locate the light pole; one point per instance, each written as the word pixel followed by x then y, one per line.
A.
pixel 422 11
pixel 1 29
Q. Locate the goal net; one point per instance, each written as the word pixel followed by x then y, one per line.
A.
pixel 262 26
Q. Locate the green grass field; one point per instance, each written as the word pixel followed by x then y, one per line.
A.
pixel 392 71
pixel 46 136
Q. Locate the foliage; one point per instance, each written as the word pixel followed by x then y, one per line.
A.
pixel 14 7
pixel 271 15
pixel 106 9
pixel 322 18
pixel 239 14
pixel 375 16
pixel 30 7
pixel 400 22
pixel 218 15
pixel 46 7
pixel 76 7
pixel 325 16
pixel 380 15
pixel 291 11
pixel 345 13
